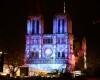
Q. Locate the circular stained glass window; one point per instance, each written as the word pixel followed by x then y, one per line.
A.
pixel 48 52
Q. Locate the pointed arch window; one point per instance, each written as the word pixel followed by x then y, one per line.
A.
pixel 37 27
pixel 63 54
pixel 58 54
pixel 63 25
pixel 33 26
pixel 59 26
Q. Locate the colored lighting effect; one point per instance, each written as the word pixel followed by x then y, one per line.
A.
pixel 47 52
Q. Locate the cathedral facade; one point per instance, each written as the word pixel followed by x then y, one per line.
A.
pixel 48 52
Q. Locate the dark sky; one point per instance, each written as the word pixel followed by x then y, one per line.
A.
pixel 13 16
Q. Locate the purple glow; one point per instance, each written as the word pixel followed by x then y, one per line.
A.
pixel 47 52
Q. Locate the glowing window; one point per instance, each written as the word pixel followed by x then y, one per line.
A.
pixel 47 41
pixel 34 55
pixel 35 41
pixel 48 52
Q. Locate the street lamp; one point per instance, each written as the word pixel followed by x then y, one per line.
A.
pixel 0 52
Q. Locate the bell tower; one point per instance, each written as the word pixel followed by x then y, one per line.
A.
pixel 60 24
pixel 34 25
pixel 33 38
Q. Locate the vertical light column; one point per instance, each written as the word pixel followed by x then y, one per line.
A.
pixel 35 26
pixel 40 30
pixel 85 64
pixel 65 26
pixel 61 26
pixel 31 26
pixel 40 53
pixel 84 50
pixel 29 29
pixel 54 25
pixel 41 25
pixel 54 49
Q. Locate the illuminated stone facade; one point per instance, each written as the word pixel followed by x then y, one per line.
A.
pixel 48 52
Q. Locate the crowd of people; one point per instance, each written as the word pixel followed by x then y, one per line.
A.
pixel 62 77
pixel 37 78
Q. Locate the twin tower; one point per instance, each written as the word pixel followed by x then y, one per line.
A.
pixel 48 52
pixel 61 24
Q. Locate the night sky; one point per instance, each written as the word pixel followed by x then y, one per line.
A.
pixel 13 16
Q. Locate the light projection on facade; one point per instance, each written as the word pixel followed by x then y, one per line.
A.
pixel 48 52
